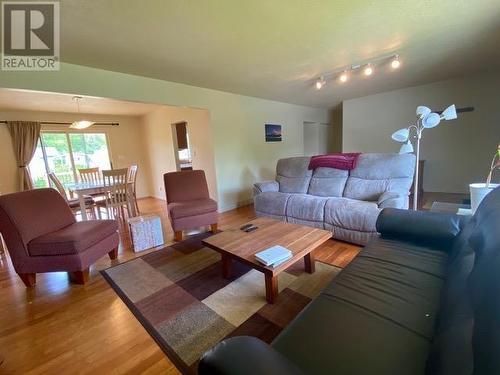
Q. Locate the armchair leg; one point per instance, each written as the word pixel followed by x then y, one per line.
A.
pixel 178 235
pixel 113 254
pixel 213 228
pixel 79 277
pixel 29 279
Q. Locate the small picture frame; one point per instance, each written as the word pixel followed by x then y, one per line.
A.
pixel 273 133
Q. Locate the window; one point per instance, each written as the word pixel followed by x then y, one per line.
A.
pixel 65 152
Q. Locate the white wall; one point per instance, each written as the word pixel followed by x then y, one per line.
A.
pixel 317 138
pixel 158 137
pixel 125 144
pixel 457 152
pixel 241 154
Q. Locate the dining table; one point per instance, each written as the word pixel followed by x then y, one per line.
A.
pixel 81 189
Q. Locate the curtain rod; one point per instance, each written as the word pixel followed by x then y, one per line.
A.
pixel 69 123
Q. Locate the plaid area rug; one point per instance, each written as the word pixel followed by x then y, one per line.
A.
pixel 179 296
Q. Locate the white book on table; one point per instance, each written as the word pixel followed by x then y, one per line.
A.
pixel 274 265
pixel 273 255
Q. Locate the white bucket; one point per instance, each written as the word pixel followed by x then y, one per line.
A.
pixel 478 192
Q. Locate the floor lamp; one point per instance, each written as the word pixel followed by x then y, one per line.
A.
pixel 426 119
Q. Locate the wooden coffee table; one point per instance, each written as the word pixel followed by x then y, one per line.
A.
pixel 234 244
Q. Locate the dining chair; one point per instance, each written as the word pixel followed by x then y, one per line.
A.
pixel 132 179
pixel 91 176
pixel 74 203
pixel 117 195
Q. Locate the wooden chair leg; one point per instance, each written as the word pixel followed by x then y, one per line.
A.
pixel 79 277
pixel 178 235
pixel 136 205
pixel 29 279
pixel 213 228
pixel 113 254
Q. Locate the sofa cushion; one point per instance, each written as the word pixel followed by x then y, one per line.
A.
pixel 293 175
pixel 328 182
pixel 352 214
pixel 376 317
pixel 272 203
pixel 306 207
pixel 377 173
pixel 351 235
pixel 191 208
pixel 398 281
pixel 72 239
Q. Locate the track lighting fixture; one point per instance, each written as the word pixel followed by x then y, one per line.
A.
pixel 368 68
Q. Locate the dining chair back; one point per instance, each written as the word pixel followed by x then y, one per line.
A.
pixel 132 179
pixel 90 175
pixel 74 203
pixel 58 185
pixel 117 194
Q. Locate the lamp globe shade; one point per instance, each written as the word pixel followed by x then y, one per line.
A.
pixel 431 120
pixel 401 135
pixel 406 148
pixel 450 113
pixel 422 111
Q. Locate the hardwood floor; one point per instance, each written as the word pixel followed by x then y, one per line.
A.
pixel 58 327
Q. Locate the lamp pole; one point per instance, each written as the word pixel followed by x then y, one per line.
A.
pixel 415 185
pixel 418 128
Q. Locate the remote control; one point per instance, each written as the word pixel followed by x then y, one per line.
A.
pixel 246 226
pixel 251 229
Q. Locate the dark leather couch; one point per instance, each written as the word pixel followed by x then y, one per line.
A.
pixel 424 298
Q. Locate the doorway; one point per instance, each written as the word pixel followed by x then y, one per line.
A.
pixel 182 149
pixel 316 138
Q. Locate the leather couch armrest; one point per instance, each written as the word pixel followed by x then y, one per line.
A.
pixel 245 355
pixel 393 199
pixel 434 229
pixel 262 187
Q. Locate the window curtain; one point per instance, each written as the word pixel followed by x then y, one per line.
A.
pixel 25 135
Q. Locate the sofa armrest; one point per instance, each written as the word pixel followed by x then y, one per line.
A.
pixel 262 187
pixel 393 199
pixel 434 229
pixel 245 355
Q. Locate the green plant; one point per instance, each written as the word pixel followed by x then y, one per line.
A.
pixel 495 163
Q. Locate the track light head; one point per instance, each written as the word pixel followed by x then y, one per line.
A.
pixel 395 63
pixel 320 82
pixel 368 70
pixel 343 77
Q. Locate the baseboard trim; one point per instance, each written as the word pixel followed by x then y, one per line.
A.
pixel 230 207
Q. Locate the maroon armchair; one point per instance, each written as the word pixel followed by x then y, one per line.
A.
pixel 189 204
pixel 42 235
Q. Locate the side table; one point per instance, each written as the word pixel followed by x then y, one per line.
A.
pixel 451 208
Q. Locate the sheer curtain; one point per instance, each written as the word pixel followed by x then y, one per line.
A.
pixel 25 135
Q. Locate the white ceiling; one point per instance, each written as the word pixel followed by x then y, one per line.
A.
pixel 24 100
pixel 275 49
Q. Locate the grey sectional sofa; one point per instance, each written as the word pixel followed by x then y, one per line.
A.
pixel 345 202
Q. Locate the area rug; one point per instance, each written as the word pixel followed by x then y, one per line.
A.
pixel 179 296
